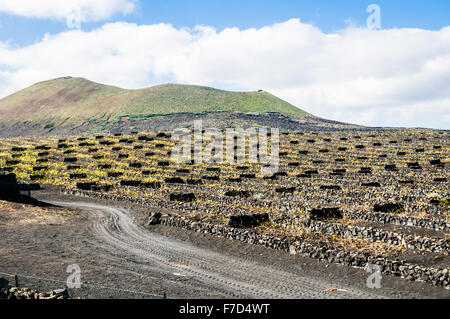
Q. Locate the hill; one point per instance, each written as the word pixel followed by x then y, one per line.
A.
pixel 75 105
pixel 77 100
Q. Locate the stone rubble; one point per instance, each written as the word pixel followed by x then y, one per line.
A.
pixel 9 292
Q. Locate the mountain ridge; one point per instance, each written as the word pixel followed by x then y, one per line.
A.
pixel 76 100
pixel 75 106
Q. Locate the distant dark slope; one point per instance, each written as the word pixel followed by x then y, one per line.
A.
pixel 76 100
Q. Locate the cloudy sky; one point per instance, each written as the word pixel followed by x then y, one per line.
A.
pixel 323 57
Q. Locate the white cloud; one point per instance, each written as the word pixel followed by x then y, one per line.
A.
pixel 74 12
pixel 397 77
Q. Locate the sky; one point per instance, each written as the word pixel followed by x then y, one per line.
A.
pixel 387 66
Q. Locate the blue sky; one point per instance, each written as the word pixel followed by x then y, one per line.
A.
pixel 321 56
pixel 327 15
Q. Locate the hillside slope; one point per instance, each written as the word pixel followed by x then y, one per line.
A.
pixel 73 101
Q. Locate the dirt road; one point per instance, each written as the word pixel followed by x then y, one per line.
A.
pixel 232 277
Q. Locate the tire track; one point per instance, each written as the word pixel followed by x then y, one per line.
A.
pixel 232 276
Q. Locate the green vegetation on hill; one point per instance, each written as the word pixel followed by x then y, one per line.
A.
pixel 76 100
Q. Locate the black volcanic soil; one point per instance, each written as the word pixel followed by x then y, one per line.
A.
pixel 185 120
pixel 43 241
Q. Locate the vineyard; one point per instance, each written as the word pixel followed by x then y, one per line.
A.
pixel 383 194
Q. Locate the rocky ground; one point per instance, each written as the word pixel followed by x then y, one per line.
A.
pixel 170 122
pixel 42 242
